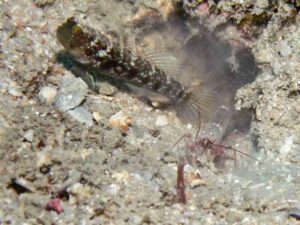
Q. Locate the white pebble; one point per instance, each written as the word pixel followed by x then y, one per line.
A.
pixel 29 135
pixel 82 115
pixel 161 121
pixel 287 146
pixel 97 116
pixel 189 126
pixel 72 92
pixel 15 91
pixel 47 94
pixel 285 49
pixel 113 189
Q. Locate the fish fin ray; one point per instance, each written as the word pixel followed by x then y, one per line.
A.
pixel 129 43
pixel 195 108
pixel 163 60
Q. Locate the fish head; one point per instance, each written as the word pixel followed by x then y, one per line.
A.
pixel 82 41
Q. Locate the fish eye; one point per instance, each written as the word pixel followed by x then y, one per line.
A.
pixel 76 30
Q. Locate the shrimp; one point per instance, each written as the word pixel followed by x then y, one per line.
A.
pixel 208 141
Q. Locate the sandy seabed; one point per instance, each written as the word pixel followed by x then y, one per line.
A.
pixel 96 174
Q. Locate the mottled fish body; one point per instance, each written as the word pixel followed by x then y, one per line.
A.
pixel 146 73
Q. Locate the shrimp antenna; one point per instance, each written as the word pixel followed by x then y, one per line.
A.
pixel 243 153
pixel 199 127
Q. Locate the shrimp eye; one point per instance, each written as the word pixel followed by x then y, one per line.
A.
pixel 76 30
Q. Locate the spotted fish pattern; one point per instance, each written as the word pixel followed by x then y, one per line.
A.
pixel 142 72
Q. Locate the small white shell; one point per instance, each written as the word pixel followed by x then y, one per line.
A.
pixel 25 184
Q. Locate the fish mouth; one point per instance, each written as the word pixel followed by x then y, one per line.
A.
pixel 70 42
pixel 64 32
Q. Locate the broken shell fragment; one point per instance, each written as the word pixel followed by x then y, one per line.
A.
pixel 120 121
pixel 122 176
pixel 195 180
pixel 78 192
pixel 198 182
pixel 43 159
pixel 97 117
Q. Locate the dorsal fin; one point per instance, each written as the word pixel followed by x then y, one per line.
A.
pixel 129 43
pixel 162 60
